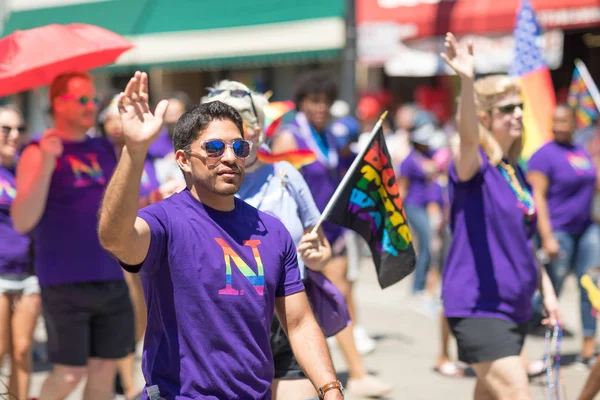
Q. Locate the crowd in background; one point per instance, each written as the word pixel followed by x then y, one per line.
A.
pixel 421 147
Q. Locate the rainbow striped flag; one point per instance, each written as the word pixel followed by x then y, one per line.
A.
pixel 580 98
pixel 274 115
pixel 298 158
pixel 536 84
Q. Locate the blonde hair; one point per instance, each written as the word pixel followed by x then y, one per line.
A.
pixel 243 105
pixel 488 92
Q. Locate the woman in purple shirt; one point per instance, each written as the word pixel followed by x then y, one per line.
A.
pixel 564 182
pixel 490 272
pixel 19 288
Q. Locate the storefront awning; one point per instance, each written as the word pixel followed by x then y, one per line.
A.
pixel 494 54
pixel 207 33
pixel 412 19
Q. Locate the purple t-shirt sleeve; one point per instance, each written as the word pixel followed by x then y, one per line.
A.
pixel 289 280
pixel 156 217
pixel 539 162
pixel 477 179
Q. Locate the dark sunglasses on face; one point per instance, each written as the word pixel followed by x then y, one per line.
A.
pixel 83 100
pixel 7 129
pixel 237 94
pixel 510 108
pixel 215 148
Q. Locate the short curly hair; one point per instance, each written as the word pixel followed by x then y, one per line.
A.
pixel 315 82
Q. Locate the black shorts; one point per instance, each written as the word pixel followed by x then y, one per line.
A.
pixel 86 320
pixel 487 339
pixel 286 365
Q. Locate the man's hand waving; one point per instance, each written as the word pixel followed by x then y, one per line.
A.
pixel 140 126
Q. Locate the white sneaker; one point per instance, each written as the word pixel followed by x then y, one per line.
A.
pixel 364 343
pixel 368 386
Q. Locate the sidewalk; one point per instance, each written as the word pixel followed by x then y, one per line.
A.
pixel 408 344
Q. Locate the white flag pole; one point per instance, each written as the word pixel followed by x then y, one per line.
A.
pixel 349 174
pixel 589 82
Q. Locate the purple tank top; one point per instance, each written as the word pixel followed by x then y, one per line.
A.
pixel 67 249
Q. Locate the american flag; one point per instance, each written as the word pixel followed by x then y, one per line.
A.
pixel 537 91
pixel 528 55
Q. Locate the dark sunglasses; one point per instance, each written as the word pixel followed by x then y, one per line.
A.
pixel 510 108
pixel 215 148
pixel 83 100
pixel 238 93
pixel 7 129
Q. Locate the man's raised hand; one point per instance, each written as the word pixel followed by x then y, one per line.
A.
pixel 140 126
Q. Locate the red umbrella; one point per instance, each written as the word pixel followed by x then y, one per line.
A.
pixel 33 58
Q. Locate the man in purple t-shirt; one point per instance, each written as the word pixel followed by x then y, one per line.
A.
pixel 85 300
pixel 213 268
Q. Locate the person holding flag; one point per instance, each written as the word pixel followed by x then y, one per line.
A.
pixel 280 190
pixel 490 272
pixel 214 269
pixel 311 130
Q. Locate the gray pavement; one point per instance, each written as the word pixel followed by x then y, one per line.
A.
pixel 408 343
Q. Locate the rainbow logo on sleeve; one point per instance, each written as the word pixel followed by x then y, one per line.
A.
pixel 7 192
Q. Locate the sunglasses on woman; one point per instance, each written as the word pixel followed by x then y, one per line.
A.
pixel 509 108
pixel 83 100
pixel 238 93
pixel 7 129
pixel 215 148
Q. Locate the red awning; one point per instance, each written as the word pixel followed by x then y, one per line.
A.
pixel 424 18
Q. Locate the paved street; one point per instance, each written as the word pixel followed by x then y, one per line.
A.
pixel 408 345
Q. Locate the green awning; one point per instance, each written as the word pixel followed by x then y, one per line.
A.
pixel 120 16
pixel 207 33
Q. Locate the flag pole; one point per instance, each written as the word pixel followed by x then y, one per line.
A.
pixel 349 174
pixel 589 82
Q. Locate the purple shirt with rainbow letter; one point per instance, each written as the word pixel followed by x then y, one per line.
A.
pixel 14 247
pixel 490 270
pixel 210 280
pixel 571 185
pixel 66 245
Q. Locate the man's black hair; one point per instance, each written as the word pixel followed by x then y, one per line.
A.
pixel 193 122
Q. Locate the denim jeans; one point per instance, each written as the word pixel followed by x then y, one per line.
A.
pixel 578 253
pixel 418 220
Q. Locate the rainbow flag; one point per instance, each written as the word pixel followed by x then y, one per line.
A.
pixel 368 202
pixel 536 84
pixel 274 115
pixel 298 158
pixel 580 98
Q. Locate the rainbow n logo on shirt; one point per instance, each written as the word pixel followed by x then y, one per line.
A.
pixel 579 162
pixel 81 169
pixel 258 281
pixel 7 190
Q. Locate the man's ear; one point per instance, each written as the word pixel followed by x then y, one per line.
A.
pixel 183 161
